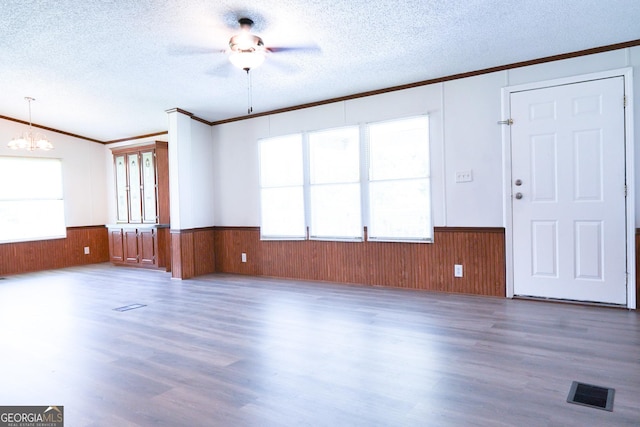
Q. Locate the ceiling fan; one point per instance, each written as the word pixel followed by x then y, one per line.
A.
pixel 248 51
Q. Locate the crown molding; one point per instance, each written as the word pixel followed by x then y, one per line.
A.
pixel 543 60
pixel 48 129
pixel 149 135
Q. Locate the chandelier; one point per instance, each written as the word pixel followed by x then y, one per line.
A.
pixel 30 140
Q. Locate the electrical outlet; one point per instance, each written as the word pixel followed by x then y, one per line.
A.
pixel 457 270
pixel 464 176
pixel 86 250
pixel 244 257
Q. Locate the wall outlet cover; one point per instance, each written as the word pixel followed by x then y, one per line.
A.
pixel 457 270
pixel 464 176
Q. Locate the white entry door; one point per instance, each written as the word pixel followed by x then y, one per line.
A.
pixel 568 186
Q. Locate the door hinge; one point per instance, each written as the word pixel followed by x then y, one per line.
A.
pixel 624 101
pixel 507 122
pixel 625 190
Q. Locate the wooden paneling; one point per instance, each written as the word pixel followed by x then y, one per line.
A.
pixel 162 168
pixel 176 254
pixel 481 251
pixel 40 255
pixel 638 268
pixel 204 251
pixel 192 252
pixel 164 249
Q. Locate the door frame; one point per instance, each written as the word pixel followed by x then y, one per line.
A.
pixel 627 74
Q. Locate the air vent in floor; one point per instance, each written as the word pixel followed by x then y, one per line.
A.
pixel 591 395
pixel 129 307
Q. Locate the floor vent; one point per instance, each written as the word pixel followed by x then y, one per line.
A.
pixel 591 395
pixel 130 307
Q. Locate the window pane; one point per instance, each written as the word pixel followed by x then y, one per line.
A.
pixel 281 180
pixel 282 213
pixel 121 189
pixel 334 156
pixel 335 211
pixel 281 161
pixel 399 149
pixel 31 207
pixel 400 210
pixel 135 206
pixel 30 178
pixel 149 187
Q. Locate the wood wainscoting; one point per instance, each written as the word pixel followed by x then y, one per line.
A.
pixel 481 251
pixel 22 257
pixel 637 268
pixel 192 252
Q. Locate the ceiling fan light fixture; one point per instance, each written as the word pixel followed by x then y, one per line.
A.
pixel 245 42
pixel 246 50
pixel 246 60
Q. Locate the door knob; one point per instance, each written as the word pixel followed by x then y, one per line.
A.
pixel 518 196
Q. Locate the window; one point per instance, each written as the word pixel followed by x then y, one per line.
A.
pixel 322 182
pixel 399 196
pixel 281 188
pixel 334 181
pixel 31 203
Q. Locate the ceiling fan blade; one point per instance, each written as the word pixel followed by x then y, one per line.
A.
pixel 193 50
pixel 302 48
pixel 223 70
pixel 281 66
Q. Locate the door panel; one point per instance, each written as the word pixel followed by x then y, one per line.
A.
pixel 568 166
pixel 117 245
pixel 131 246
pixel 147 240
pixel 544 239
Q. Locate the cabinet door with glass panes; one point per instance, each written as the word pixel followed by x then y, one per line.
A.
pixel 149 186
pixel 136 187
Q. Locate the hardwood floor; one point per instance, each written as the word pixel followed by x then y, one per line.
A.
pixel 224 350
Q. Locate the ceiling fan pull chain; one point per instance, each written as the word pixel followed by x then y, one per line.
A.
pixel 249 100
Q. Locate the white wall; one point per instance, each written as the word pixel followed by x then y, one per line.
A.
pixel 191 173
pixel 83 172
pixel 464 136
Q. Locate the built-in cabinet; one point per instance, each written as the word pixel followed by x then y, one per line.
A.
pixel 140 236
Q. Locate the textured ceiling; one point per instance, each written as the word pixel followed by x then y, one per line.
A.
pixel 109 69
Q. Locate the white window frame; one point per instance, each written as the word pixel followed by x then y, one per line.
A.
pixel 310 186
pixel 297 234
pixel 365 184
pixel 429 237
